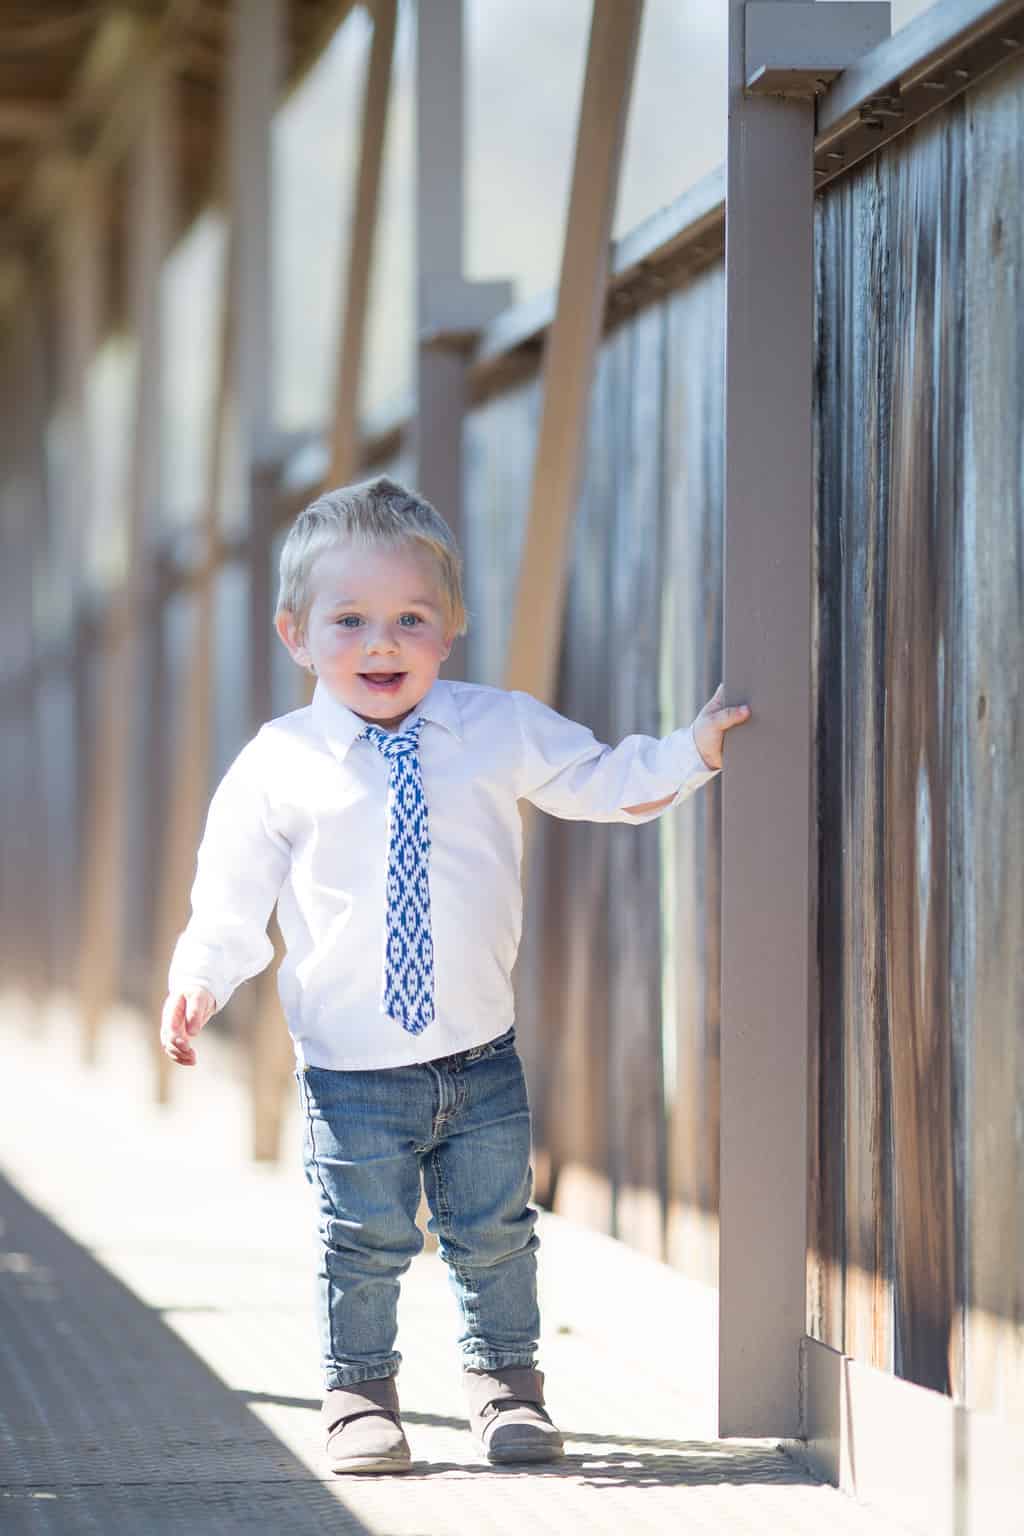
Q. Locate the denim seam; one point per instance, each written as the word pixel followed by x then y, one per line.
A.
pixel 483 1125
pixel 469 1310
pixel 355 1374
pixel 330 1205
pixel 499 1359
pixel 444 1210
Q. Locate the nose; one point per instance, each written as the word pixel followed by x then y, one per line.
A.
pixel 380 637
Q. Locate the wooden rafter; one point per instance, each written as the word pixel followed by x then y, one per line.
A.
pixel 91 69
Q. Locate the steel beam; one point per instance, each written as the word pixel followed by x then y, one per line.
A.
pixel 767 864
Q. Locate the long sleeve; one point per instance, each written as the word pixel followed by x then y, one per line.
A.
pixel 241 866
pixel 567 772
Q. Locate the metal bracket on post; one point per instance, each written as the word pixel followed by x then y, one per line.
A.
pixel 456 311
pixel 798 47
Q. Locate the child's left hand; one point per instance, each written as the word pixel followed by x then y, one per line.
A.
pixel 711 724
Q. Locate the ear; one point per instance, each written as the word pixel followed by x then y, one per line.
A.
pixel 292 638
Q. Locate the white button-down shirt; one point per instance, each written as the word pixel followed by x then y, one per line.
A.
pixel 300 818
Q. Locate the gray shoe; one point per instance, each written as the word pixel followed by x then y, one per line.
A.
pixel 364 1431
pixel 507 1415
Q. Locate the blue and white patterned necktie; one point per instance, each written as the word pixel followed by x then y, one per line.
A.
pixel 408 994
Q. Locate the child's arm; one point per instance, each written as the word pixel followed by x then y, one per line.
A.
pixel 567 772
pixel 241 865
pixel 709 731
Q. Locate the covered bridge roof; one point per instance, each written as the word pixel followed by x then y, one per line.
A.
pixel 72 75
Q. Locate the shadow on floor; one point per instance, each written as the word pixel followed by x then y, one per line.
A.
pixel 694 1463
pixel 110 1423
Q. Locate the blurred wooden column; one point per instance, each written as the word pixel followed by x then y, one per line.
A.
pixel 344 460
pixel 450 312
pixel 257 71
pixel 102 718
pixel 191 747
pixel 78 301
pixel 152 221
pixel 115 789
pixel 569 366
pixel 23 910
pixel 571 349
pixel 767 823
pixel 31 384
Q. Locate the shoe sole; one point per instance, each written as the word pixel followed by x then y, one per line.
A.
pixel 340 1465
pixel 552 1451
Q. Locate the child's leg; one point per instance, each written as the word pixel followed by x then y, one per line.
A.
pixel 361 1131
pixel 478 1184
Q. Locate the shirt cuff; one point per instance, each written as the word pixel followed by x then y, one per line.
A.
pixel 179 981
pixel 685 768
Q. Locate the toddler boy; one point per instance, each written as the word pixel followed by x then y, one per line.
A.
pixel 382 820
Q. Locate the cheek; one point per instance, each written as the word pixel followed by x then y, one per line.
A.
pixel 430 645
pixel 336 642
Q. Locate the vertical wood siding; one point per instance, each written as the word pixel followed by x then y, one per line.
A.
pixel 640 653
pixel 636 1119
pixel 919 1254
pixel 916 1176
pixel 691 663
pixel 990 744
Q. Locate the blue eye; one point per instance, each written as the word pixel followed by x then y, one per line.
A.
pixel 345 621
pixel 415 618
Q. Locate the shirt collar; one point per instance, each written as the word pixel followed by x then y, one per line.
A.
pixel 341 725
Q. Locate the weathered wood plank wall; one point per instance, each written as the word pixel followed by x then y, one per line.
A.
pixel 593 964
pixel 691 666
pixel 920 1202
pixel 917 1168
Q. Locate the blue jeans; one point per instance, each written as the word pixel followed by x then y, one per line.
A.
pixel 464 1120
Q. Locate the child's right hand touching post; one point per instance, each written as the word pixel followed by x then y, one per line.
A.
pixel 183 1016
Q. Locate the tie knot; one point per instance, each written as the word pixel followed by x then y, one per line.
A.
pixel 393 744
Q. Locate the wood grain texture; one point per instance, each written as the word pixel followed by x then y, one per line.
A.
pixel 498 457
pixel 636 1103
pixel 588 980
pixel 918 1200
pixel 991 746
pixel 691 660
pixel 854 1225
pixel 580 1048
pixel 826 1108
pixel 915 877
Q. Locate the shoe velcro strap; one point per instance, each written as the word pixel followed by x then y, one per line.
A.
pixel 369 1410
pixel 496 1405
pixel 343 1404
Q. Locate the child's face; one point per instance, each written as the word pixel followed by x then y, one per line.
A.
pixel 374 611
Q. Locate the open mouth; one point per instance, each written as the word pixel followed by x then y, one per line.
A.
pixel 382 682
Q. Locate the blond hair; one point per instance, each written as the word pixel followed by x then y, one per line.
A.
pixel 378 511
